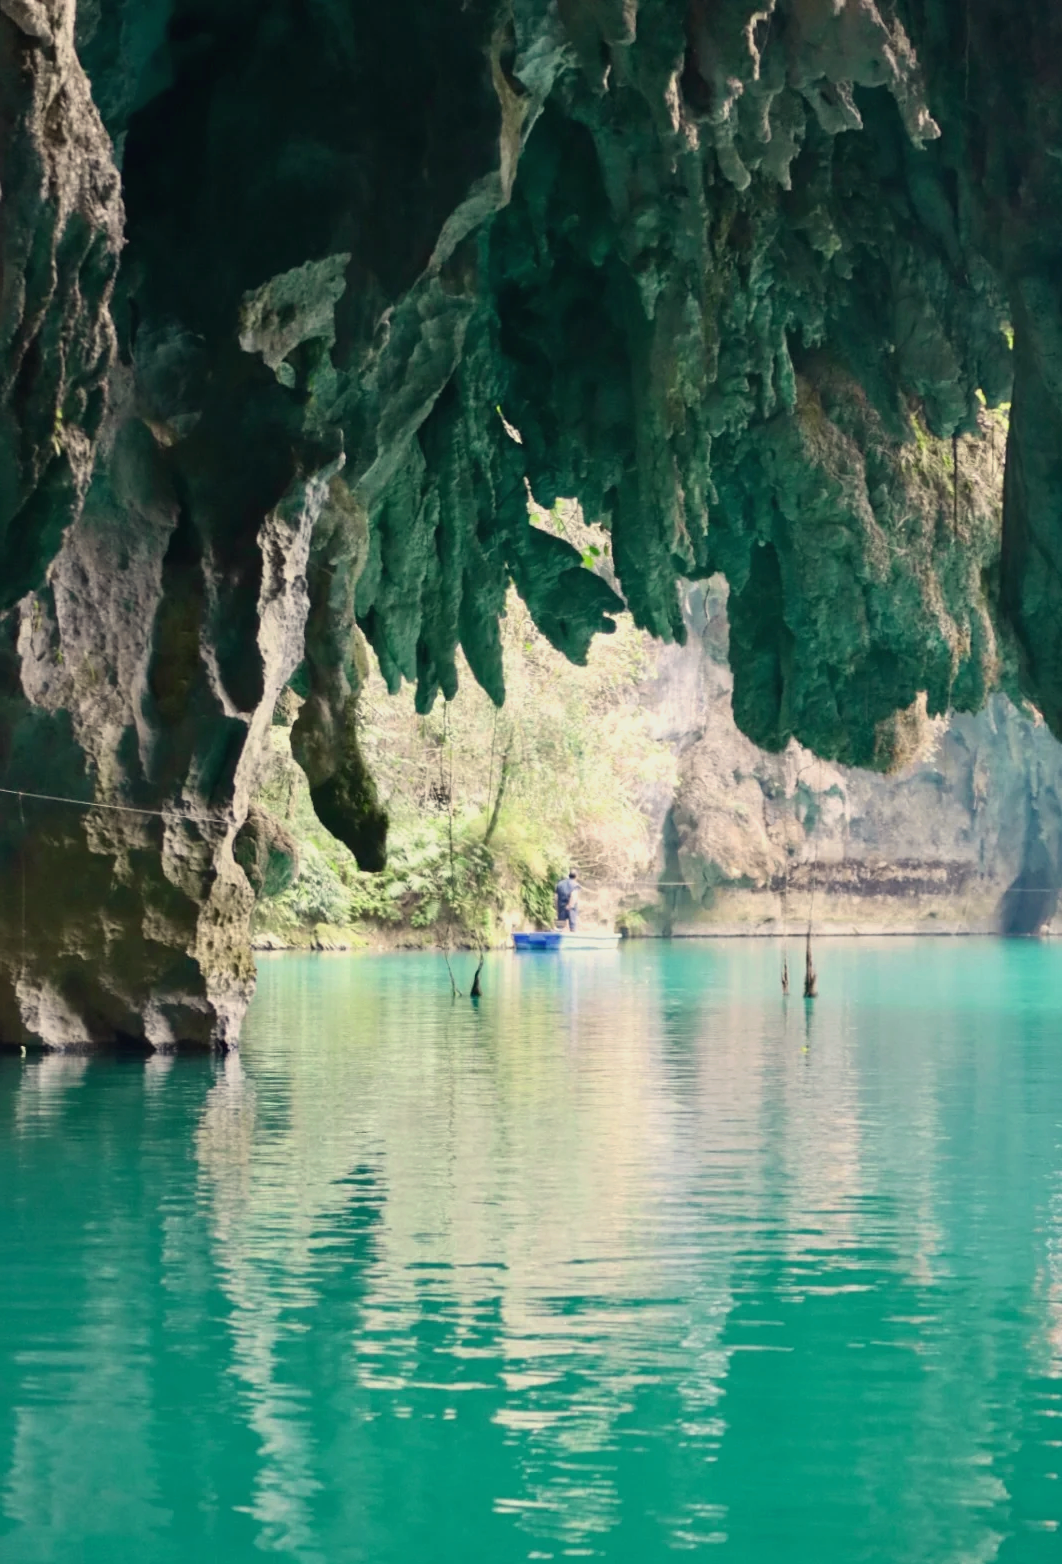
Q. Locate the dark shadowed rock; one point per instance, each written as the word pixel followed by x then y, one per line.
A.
pixel 267 854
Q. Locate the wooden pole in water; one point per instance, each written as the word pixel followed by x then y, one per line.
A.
pixel 811 982
pixel 785 924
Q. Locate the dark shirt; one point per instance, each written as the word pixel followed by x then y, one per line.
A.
pixel 567 891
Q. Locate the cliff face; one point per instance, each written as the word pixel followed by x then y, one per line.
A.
pixel 715 269
pixel 965 838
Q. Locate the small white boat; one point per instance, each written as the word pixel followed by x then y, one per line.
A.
pixel 557 939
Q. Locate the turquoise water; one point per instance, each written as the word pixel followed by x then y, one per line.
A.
pixel 635 1260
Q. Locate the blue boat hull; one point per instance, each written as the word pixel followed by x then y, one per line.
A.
pixel 557 939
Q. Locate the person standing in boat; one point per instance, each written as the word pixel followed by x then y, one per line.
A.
pixel 568 901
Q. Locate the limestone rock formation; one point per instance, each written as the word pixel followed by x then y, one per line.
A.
pixel 965 837
pixel 266 853
pixel 714 267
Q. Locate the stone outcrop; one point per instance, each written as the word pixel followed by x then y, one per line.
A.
pixel 716 269
pixel 965 837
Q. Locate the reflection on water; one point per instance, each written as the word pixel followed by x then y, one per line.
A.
pixel 634 1258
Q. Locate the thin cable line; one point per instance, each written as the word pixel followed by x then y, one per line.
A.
pixel 84 803
pixel 79 803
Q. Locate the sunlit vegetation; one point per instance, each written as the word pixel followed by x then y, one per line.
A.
pixel 487 805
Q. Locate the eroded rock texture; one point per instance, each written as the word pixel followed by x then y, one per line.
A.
pixel 714 267
pixel 965 836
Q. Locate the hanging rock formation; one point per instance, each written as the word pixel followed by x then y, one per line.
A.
pixel 965 836
pixel 711 266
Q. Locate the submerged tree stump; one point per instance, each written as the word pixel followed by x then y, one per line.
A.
pixel 811 982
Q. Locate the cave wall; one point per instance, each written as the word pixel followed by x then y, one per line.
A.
pixel 715 269
pixel 964 837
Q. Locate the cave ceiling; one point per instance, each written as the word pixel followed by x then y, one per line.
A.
pixel 708 258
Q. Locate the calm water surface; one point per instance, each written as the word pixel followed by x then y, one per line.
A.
pixel 633 1260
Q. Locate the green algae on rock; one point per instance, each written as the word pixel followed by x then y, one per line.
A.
pixel 389 268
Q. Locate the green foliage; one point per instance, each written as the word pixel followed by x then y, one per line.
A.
pixel 422 887
pixel 579 758
pixel 318 895
pixel 371 899
pixel 425 887
pixel 537 898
